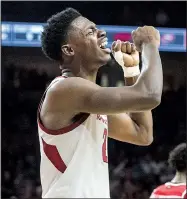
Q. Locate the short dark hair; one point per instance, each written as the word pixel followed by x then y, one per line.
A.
pixel 55 32
pixel 177 158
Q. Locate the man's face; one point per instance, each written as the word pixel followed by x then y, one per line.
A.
pixel 89 43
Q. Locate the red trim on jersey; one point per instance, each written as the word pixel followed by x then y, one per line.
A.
pixel 43 97
pixel 53 155
pixel 63 130
pixel 66 129
pixel 169 189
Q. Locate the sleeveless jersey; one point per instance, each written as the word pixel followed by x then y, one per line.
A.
pixel 74 161
pixel 170 190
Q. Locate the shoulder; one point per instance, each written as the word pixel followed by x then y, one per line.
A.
pixel 59 83
pixel 171 189
pixel 158 191
pixel 60 87
pixel 71 85
pixel 159 188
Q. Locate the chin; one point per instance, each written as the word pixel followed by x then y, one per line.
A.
pixel 106 59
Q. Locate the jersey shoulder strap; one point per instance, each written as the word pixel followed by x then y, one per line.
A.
pixel 43 97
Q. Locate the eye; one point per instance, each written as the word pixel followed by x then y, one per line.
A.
pixel 92 31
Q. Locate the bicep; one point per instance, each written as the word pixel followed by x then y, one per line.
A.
pixel 80 95
pixel 123 128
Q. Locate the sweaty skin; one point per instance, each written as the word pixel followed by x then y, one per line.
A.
pixel 79 93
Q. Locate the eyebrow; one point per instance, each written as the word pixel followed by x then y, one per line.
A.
pixel 91 26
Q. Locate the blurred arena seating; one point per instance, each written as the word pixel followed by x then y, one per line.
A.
pixel 134 171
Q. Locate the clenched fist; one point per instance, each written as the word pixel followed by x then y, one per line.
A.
pixel 145 35
pixel 125 53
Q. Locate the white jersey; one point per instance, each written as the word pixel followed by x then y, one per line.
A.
pixel 74 161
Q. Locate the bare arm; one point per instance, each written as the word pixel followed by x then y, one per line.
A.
pixel 80 95
pixel 152 75
pixel 142 120
pixel 131 129
pixel 135 128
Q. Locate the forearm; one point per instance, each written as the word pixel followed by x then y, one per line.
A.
pixel 129 81
pixel 148 86
pixel 150 81
pixel 142 120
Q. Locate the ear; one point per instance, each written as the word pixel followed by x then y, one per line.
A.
pixel 67 50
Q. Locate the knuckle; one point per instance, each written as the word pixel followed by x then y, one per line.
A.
pixel 133 33
pixel 128 44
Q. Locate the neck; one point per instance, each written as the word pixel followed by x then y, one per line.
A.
pixel 79 72
pixel 91 76
pixel 179 178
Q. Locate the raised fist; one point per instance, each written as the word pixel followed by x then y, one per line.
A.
pixel 145 35
pixel 125 53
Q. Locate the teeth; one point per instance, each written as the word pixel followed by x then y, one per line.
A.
pixel 106 42
pixel 103 44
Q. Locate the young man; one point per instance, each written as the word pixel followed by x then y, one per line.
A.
pixel 177 187
pixel 76 116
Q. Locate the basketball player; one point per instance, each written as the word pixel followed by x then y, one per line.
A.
pixel 177 187
pixel 76 116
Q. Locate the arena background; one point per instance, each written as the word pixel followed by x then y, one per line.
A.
pixel 134 170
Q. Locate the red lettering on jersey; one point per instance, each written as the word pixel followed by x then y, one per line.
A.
pixel 53 155
pixel 104 147
pixel 99 117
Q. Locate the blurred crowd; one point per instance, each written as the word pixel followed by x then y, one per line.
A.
pixel 134 170
pixel 114 13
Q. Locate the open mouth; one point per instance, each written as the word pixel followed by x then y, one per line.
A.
pixel 103 45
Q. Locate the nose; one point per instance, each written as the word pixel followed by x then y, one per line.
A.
pixel 101 33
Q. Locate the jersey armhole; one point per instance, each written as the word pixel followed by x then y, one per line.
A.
pixel 77 121
pixel 82 118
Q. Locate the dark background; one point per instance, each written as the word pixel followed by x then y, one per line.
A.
pixel 134 171
pixel 101 12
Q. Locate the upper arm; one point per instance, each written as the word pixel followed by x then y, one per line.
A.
pixel 121 127
pixel 79 95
